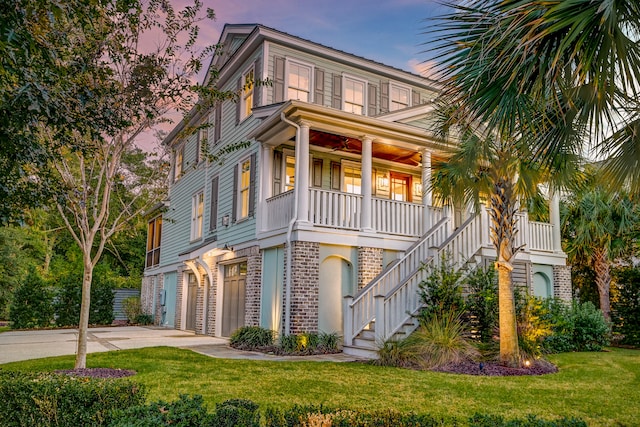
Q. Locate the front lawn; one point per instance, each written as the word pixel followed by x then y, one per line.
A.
pixel 601 388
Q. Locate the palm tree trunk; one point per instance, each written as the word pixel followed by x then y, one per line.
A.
pixel 603 280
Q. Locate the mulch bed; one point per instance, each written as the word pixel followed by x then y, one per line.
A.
pixel 495 369
pixel 96 372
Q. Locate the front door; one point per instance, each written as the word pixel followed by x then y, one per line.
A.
pixel 400 187
pixel 233 297
pixel 192 295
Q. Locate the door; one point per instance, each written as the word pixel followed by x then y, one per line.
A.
pixel 233 297
pixel 400 187
pixel 169 306
pixel 336 281
pixel 192 295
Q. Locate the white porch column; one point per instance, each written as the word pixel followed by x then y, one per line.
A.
pixel 367 171
pixel 302 182
pixel 266 171
pixel 427 196
pixel 554 218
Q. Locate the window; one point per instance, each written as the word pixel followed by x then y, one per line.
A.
pixel 290 172
pixel 400 186
pixel 248 80
pixel 154 234
pixel 197 211
pixel 354 96
pixel 213 207
pixel 299 82
pixel 233 270
pixel 352 179
pixel 245 183
pixel 178 163
pixel 399 98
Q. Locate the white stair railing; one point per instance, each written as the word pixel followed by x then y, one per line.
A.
pixel 359 311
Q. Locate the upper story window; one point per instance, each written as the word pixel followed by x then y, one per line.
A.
pixel 197 212
pixel 290 172
pixel 354 95
pixel 299 82
pixel 178 162
pixel 248 80
pixel 400 97
pixel 351 178
pixel 202 141
pixel 154 235
pixel 244 186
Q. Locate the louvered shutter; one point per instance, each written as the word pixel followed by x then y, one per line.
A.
pixel 384 97
pixel 336 95
pixel 239 91
pixel 257 83
pixel 217 122
pixel 318 93
pixel 372 98
pixel 234 204
pixel 415 98
pixel 213 206
pixel 252 185
pixel 278 79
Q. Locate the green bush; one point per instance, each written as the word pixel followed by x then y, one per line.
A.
pixel 482 302
pixel 328 342
pixel 144 319
pixel 184 412
pixel 32 303
pixel 483 420
pixel 575 327
pixel 236 413
pixel 441 291
pixel 251 338
pixel 533 322
pixel 69 298
pixel 45 399
pixel 626 306
pixel 132 308
pixel 288 343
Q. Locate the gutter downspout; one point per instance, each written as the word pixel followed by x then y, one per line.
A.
pixel 287 285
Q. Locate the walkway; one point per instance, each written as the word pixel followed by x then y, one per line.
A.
pixel 24 345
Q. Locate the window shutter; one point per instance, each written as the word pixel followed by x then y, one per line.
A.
pixel 335 176
pixel 415 97
pixel 252 185
pixel 373 99
pixel 257 83
pixel 277 173
pixel 239 90
pixel 384 97
pixel 317 173
pixel 213 207
pixel 217 123
pixel 337 92
pixel 234 205
pixel 318 93
pixel 278 80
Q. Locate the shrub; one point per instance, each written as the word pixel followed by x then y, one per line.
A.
pixel 441 291
pixel 534 325
pixel 32 303
pixel 288 343
pixel 482 302
pixel 251 338
pixel 69 297
pixel 45 399
pixel 184 412
pixel 132 308
pixel 328 342
pixel 483 420
pixel 626 306
pixel 236 413
pixel 575 327
pixel 144 319
pixel 399 353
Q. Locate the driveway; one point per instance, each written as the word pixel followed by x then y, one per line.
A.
pixel 24 345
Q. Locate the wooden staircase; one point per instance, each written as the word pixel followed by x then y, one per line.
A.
pixel 385 308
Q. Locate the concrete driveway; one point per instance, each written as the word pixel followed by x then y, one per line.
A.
pixel 24 345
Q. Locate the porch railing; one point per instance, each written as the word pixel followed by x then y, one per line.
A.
pixel 279 210
pixel 335 209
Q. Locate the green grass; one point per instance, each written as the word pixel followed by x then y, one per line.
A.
pixel 4 329
pixel 601 388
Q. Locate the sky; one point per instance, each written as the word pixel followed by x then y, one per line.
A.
pixel 387 31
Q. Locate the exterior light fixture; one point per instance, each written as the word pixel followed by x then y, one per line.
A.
pixel 383 181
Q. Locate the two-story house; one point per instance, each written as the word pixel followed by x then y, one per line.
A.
pixel 322 222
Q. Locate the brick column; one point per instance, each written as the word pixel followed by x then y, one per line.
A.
pixel 253 286
pixel 179 295
pixel 562 282
pixel 305 282
pixel 369 265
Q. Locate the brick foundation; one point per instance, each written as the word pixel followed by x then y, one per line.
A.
pixel 562 282
pixel 305 281
pixel 369 265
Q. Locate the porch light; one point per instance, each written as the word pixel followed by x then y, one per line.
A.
pixel 227 248
pixel 225 220
pixel 383 181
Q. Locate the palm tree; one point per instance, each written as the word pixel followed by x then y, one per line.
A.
pixel 546 70
pixel 493 168
pixel 597 226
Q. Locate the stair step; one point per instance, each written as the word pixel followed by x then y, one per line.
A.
pixel 365 342
pixel 368 334
pixel 358 351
